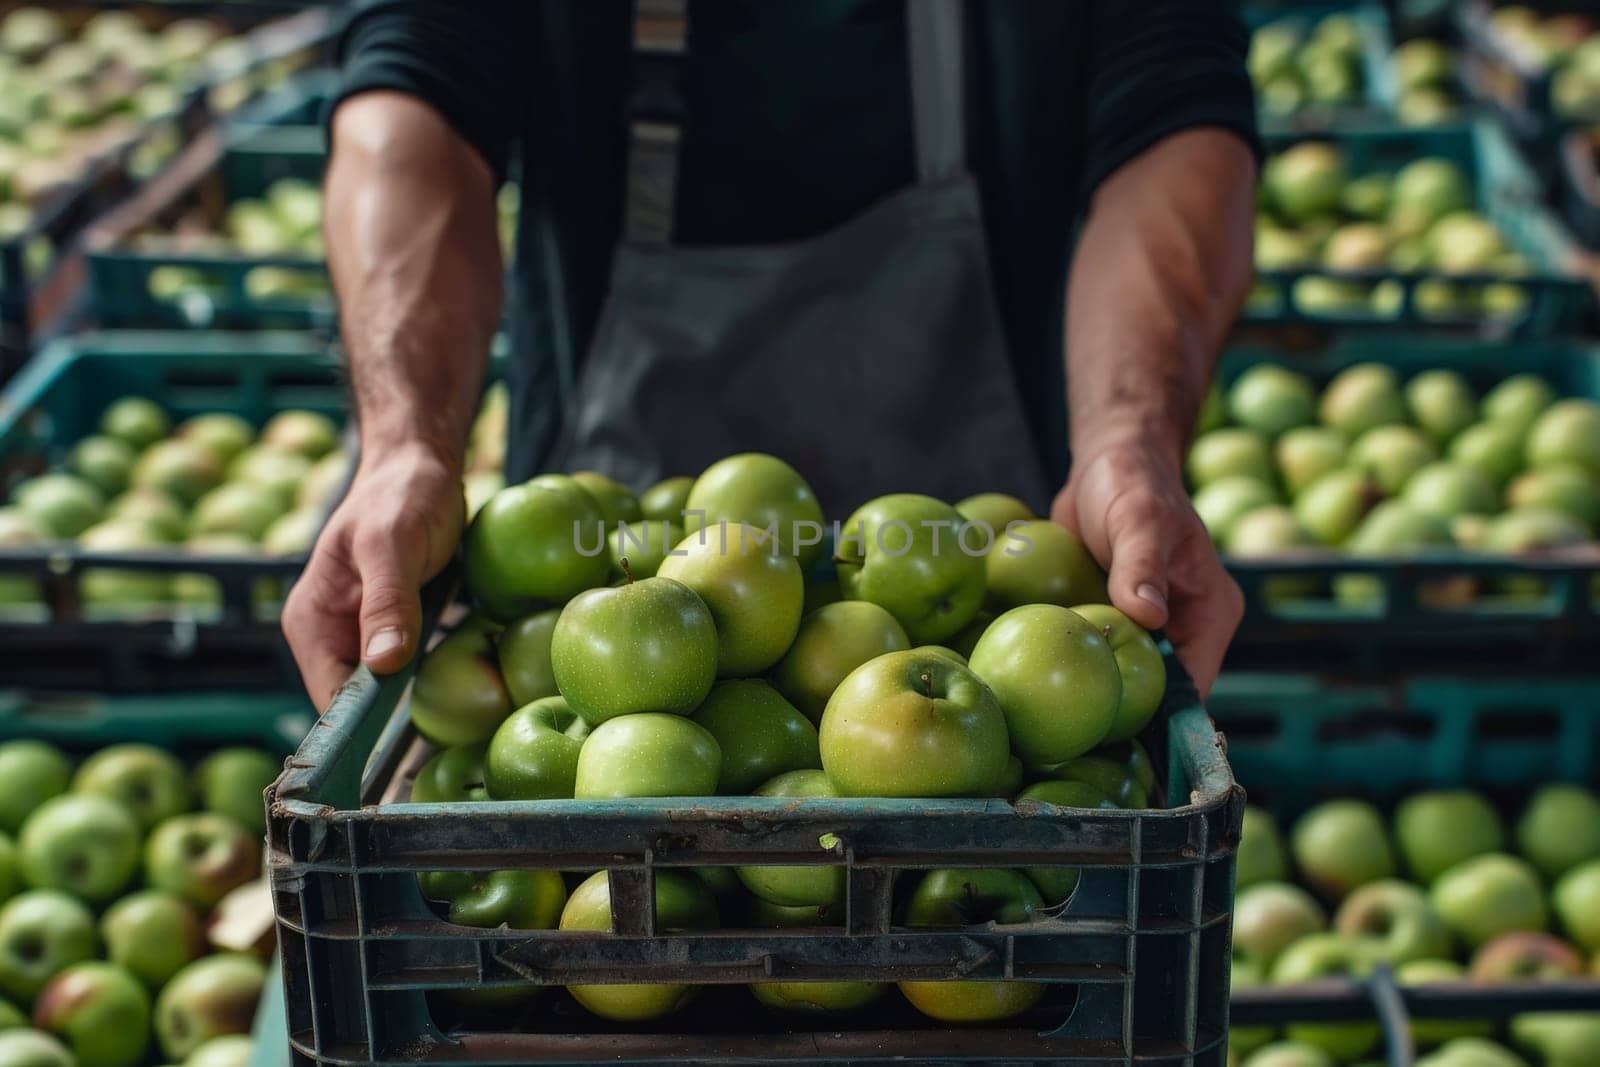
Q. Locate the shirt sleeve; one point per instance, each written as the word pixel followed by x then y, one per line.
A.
pixel 464 60
pixel 1157 68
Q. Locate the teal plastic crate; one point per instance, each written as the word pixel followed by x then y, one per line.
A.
pixel 214 172
pixel 1408 622
pixel 1136 957
pixel 57 400
pixel 1297 739
pixel 1375 106
pixel 1555 296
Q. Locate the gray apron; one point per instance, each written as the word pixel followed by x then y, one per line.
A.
pixel 871 357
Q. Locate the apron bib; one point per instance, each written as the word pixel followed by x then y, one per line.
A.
pixel 870 357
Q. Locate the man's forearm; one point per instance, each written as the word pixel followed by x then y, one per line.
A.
pixel 1160 272
pixel 415 257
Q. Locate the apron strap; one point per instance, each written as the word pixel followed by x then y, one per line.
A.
pixel 656 111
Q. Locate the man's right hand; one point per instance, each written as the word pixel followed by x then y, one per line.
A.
pixel 357 600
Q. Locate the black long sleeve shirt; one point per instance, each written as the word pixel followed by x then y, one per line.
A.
pixel 799 117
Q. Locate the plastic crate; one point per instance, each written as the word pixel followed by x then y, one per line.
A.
pixel 1297 739
pixel 1140 950
pixel 1557 297
pixel 1375 105
pixel 57 400
pixel 213 172
pixel 1517 94
pixel 1408 624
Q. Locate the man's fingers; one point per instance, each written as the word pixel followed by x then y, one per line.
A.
pixel 321 637
pixel 1205 614
pixel 391 609
pixel 1141 548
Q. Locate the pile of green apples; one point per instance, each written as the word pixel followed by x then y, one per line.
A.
pixel 111 873
pixel 662 645
pixel 1441 891
pixel 1294 65
pixel 1376 467
pixel 1314 214
pixel 211 484
pixel 1565 47
pixel 1427 78
pixel 67 97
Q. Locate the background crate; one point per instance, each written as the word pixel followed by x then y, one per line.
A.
pixel 1409 627
pixel 1298 739
pixel 361 946
pixel 59 399
pixel 1559 298
pixel 1514 93
pixel 214 171
pixel 1377 102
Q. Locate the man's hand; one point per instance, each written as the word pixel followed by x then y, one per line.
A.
pixel 357 599
pixel 1127 503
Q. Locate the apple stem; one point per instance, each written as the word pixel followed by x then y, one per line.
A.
pixel 627 572
pixel 1105 631
pixel 927 684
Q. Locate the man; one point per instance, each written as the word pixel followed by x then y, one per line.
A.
pixel 836 230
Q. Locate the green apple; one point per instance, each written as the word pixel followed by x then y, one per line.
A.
pixel 231 781
pixel 212 996
pixel 535 544
pixel 523 648
pixel 294 533
pixel 831 642
pixel 648 646
pixel 1447 489
pixel 1576 900
pixel 1564 487
pixel 1055 884
pixel 41 932
pixel 33 1048
pixel 1532 529
pixel 796 886
pixel 1441 403
pixel 308 433
pixel 1306 453
pixel 221 433
pixel 82 844
pixel 236 508
pixel 665 501
pixel 911 724
pixel 459 696
pixel 682 904
pixel 326 477
pixel 104 462
pixel 969 898
pixel 1340 845
pixel 121 589
pixel 1056 678
pixel 1489 895
pixel 135 420
pixel 1328 955
pixel 1430 1032
pixel 808 998
pixel 647 754
pixel 229 1050
pixel 1042 562
pixel 282 474
pixel 617 503
pixel 1228 451
pixel 153 508
pixel 100 1010
pixel 1567 432
pixel 764 492
pixel 761 734
pixel 1559 829
pixel 996 510
pixel 1428 189
pixel 1518 400
pixel 1331 507
pixel 63 504
pixel 530 756
pixel 1356 246
pixel 1360 398
pixel 1222 503
pixel 200 857
pixel 1493 449
pixel 153 935
pixel 1269 917
pixel 1288 1054
pixel 1524 955
pixel 1109 777
pixel 1390 455
pixel 453 775
pixel 644 545
pixel 517 900
pixel 904 553
pixel 1144 672
pixel 1397 920
pixel 1560 1039
pixel 1304 180
pixel 1262 856
pixel 1271 399
pixel 31 772
pixel 147 781
pixel 1436 830
pixel 10 869
pixel 755 595
pixel 182 469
